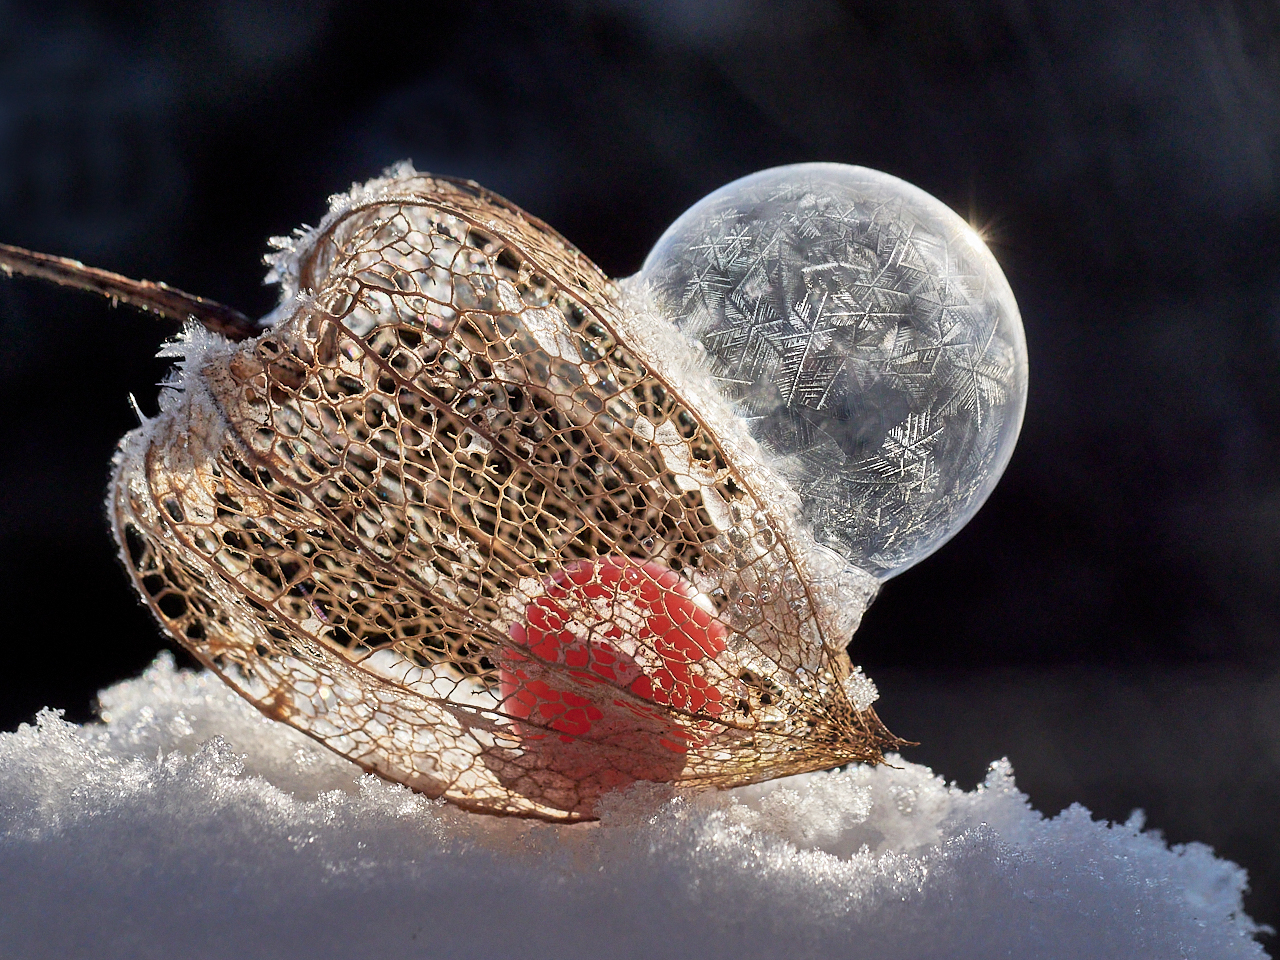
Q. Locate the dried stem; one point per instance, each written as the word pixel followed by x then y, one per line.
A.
pixel 157 298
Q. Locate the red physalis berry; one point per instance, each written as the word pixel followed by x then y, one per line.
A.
pixel 602 629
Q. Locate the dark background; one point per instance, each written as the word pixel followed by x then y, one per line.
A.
pixel 1109 620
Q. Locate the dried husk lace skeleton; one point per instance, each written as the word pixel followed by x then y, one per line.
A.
pixel 472 515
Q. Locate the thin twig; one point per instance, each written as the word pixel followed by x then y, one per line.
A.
pixel 157 298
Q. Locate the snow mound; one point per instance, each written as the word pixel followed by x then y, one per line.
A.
pixel 185 825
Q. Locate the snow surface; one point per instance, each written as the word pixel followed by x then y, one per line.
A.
pixel 187 825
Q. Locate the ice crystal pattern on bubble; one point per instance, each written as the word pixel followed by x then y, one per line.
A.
pixel 869 338
pixel 447 516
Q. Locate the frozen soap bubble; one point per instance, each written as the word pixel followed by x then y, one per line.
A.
pixel 869 339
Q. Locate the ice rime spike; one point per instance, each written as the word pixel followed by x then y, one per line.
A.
pixel 158 298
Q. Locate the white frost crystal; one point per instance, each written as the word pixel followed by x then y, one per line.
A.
pixel 188 825
pixel 860 689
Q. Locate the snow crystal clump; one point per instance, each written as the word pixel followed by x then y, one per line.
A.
pixel 186 825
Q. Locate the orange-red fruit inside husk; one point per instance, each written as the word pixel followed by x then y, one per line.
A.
pixel 646 630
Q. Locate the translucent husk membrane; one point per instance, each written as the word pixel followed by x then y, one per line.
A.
pixel 467 514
